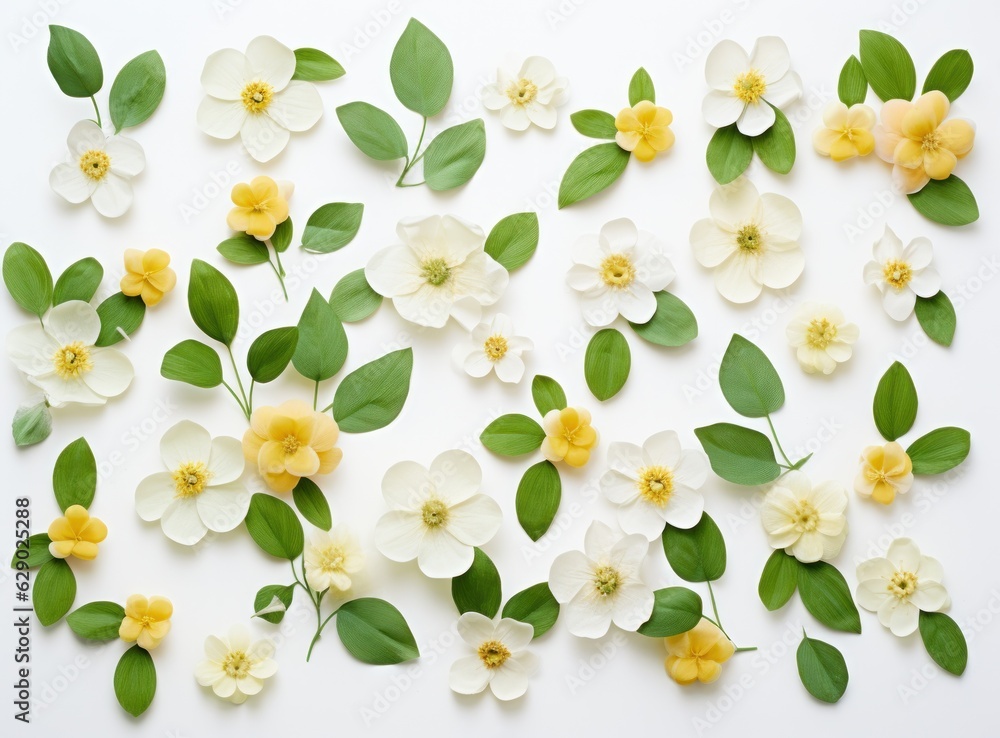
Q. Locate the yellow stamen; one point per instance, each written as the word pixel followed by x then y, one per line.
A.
pixel 897 274
pixel 617 271
pixel 435 271
pixel 806 517
pixel 190 478
pixel 236 664
pixel 95 164
pixel 257 96
pixel 749 86
pixel 522 92
pixel 72 360
pixel 493 654
pixel 607 580
pixel 291 444
pixel 820 333
pixel 656 484
pixel 495 347
pixel 748 239
pixel 434 513
pixel 903 584
pixel 332 559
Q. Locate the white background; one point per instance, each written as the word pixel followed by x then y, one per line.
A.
pixel 598 45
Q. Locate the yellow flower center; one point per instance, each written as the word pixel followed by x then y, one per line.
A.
pixel 749 86
pixel 146 620
pixel 236 664
pixel 257 96
pixel 820 333
pixel 291 444
pixel 607 580
pixel 435 271
pixel 876 475
pixel 332 559
pixel 903 584
pixel 656 484
pixel 897 274
pixel 434 513
pixel 95 164
pixel 617 271
pixel 493 654
pixel 806 517
pixel 748 239
pixel 72 360
pixel 190 478
pixel 495 347
pixel 522 92
pixel 931 141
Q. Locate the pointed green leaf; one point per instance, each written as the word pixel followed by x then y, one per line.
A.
pixel 120 316
pixel 536 606
pixel 607 363
pixel 547 394
pixel 455 155
pixel 512 435
pixel 74 62
pixel 944 641
pixel 951 74
pixel 32 551
pixel 274 527
pixel 825 594
pixel 373 131
pixel 74 478
pixel 53 591
pixel 777 581
pixel 592 171
pixel 513 240
pixel 375 632
pixel 888 66
pixel 478 589
pixel 244 249
pixel 852 89
pixel 537 499
pixel 696 554
pixel 895 406
pixel 332 227
pixel 776 145
pixel 373 395
pixel 97 621
pixel 641 88
pixel 79 282
pixel 31 424
pixel 27 278
pixel 135 680
pixel 421 70
pixel 676 610
pixel 749 380
pixel 213 303
pixel 281 239
pixel 194 363
pixel 940 450
pixel 594 123
pixel 312 503
pixel 314 65
pixel 739 455
pixel 137 90
pixel 265 597
pixel 936 316
pixel 946 201
pixel 822 669
pixel 673 323
pixel 321 348
pixel 728 154
pixel 270 353
pixel 353 299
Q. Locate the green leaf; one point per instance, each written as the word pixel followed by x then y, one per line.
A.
pixel 194 363
pixel 593 170
pixel 421 70
pixel 213 303
pixel 852 89
pixel 79 282
pixel 513 240
pixel 478 589
pixel 322 343
pixel 594 123
pixel 373 131
pixel 74 478
pixel 944 641
pixel 739 455
pixel 135 680
pixel 777 581
pixel 776 145
pixel 676 610
pixel 887 66
pixel 265 596
pixel 537 498
pixel 74 62
pixel 895 406
pixel 353 299
pixel 936 316
pixel 951 74
pixel 32 424
pixel 137 90
pixel 332 227
pixel 311 502
pixel 455 155
pixel 244 249
pixel 673 323
pixel 696 554
pixel 270 353
pixel 946 201
pixel 372 395
pixel 53 592
pixel 375 632
pixel 314 65
pixel 547 394
pixel 32 551
pixel 822 669
pixel 641 88
pixel 281 239
pixel 607 363
pixel 27 278
pixel 728 154
pixel 749 380
pixel 940 450
pixel 536 606
pixel 274 527
pixel 512 435
pixel 97 621
pixel 120 316
pixel 826 596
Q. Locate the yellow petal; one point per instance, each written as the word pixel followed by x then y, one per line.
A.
pixel 130 629
pixel 864 141
pixel 260 225
pixel 329 460
pixel 133 261
pixel 160 608
pixel 893 113
pixel 95 531
pixel 164 280
pixel 281 426
pixel 577 456
pixel 585 436
pixel 154 260
pixel 136 606
pixel 61 530
pixel 263 188
pixel 708 671
pixel 934 105
pixel 918 123
pixel 626 120
pixel 85 550
pixel 242 196
pixel 957 136
pixel 559 445
pixel 860 116
pixel 277 208
pixel 132 284
pixel 251 445
pixel 570 418
pixel 843 148
pixel 660 139
pixel 260 421
pixel 824 139
pixel 62 549
pixel 282 482
pixel 682 670
pixel 239 219
pixel 324 433
pixel 662 117
pixel 939 163
pixel 643 151
pixel 884 493
pixel 628 140
pixel 77 516
pixel 908 153
pixel 645 111
pixel 271 459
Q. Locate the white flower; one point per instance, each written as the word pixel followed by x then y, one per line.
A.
pixel 439 271
pixel 900 585
pixel 200 491
pixel 500 660
pixel 530 96
pixel 493 346
pixel 821 337
pixel 743 87
pixel 100 169
pixel 330 559
pixel 750 240
pixel 655 484
pixel 60 357
pixel 618 271
pixel 235 668
pixel 601 584
pixel 902 274
pixel 807 522
pixel 437 515
pixel 254 95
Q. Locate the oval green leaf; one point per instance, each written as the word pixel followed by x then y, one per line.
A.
pixel 53 592
pixel 421 70
pixel 373 395
pixel 888 66
pixel 641 88
pixel 79 282
pixel 321 349
pixel 213 303
pixel 137 90
pixel 265 597
pixel 244 249
pixel 776 145
pixel 822 669
pixel 32 551
pixel 594 123
pixel 936 316
pixel 537 499
pixel 777 581
pixel 951 74
pixel 135 680
pixel 940 450
pixel 353 299
pixel 332 227
pixel 120 316
pixel 312 503
pixel 32 424
pixel 512 435
pixel 27 278
pixel 274 527
pixel 825 594
pixel 728 154
pixel 592 171
pixel 696 554
pixel 74 478
pixel 313 65
pixel 944 641
pixel 513 240
pixel 739 455
pixel 607 363
pixel 281 239
pixel 946 201
pixel 270 353
pixel 673 323
pixel 97 621
pixel 373 131
pixel 194 363
pixel 74 62
pixel 676 610
pixel 547 394
pixel 455 155
pixel 478 589
pixel 852 88
pixel 375 632
pixel 749 380
pixel 895 405
pixel 536 606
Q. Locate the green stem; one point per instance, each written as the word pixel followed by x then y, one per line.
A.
pixel 715 609
pixel 417 156
pixel 278 271
pixel 777 442
pixel 97 111
pixel 238 400
pixel 327 409
pixel 277 258
pixel 239 382
pixel 316 395
pixel 718 621
pixel 250 398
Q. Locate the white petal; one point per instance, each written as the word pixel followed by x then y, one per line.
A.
pixel 514 634
pixel 31 349
pixel 770 58
pixel 71 321
pixel 538 70
pixel 467 311
pixel 60 392
pixel 113 196
pixel 873 272
pixel 271 61
pixel 493 97
pixel 734 204
pixel 569 573
pixel 637 303
pixel 510 368
pixel 475 628
pixel 721 109
pixel 904 619
pixel 222 507
pixel 586 616
pixel 734 278
pixel 779 269
pixel 221 118
pixel 474 521
pixel 154 495
pixel 510 681
pixel 930 569
pixel 588 250
pixel 442 555
pixel 918 253
pixel 182 523
pixel 663 448
pixel 543 116
pixel 599 541
pixel 781 217
pixel 225 74
pixel 898 303
pixel 692 469
pixel 394 271
pixel 710 244
pixel 85 136
pixel 904 554
pixel 780 93
pixel 633 604
pixel 725 61
pixel 263 138
pixel 468 675
pixel 209 672
pixel 515 118
pixel 618 488
pixel 888 248
pixel 456 475
pixel 406 485
pixel 297 107
pixel 756 118
pixel 929 596
pixel 112 372
pixel 225 461
pixel 70 183
pixel 127 156
pixel 872 593
pixel 641 518
pixel 619 235
pixel 399 534
pixel 685 507
pixel 186 442
pixel 925 282
pixel 626 459
pixel 476 363
pixel 427 305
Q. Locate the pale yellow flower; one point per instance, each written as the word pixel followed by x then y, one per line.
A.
pixel 846 132
pixel 569 436
pixel 885 471
pixel 147 621
pixel 76 534
pixel 148 275
pixel 698 655
pixel 644 130
pixel 260 206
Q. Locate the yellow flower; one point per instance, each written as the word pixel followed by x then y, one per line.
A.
pixel 847 132
pixel 568 436
pixel 644 130
pixel 76 534
pixel 291 441
pixel 260 207
pixel 146 622
pixel 147 275
pixel 919 142
pixel 698 655
pixel 885 471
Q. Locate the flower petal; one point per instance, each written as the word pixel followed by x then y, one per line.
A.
pixel 71 321
pixel 113 196
pixel 182 523
pixel 298 107
pixel 474 521
pixel 399 535
pixel 263 138
pixel 127 157
pixel 725 61
pixel 112 372
pixel 456 475
pixel 185 442
pixel 221 118
pixel 442 555
pixel 755 119
pixel 271 61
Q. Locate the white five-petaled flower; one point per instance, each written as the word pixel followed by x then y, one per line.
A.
pixel 254 95
pixel 821 337
pixel 601 584
pixel 438 516
pixel 100 169
pixel 901 585
pixel 439 271
pixel 530 96
pixel 234 667
pixel 331 558
pixel 201 489
pixel 807 522
pixel 750 240
pixel 618 272
pixel 500 659
pixel 655 484
pixel 60 357
pixel 745 87
pixel 493 346
pixel 902 274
